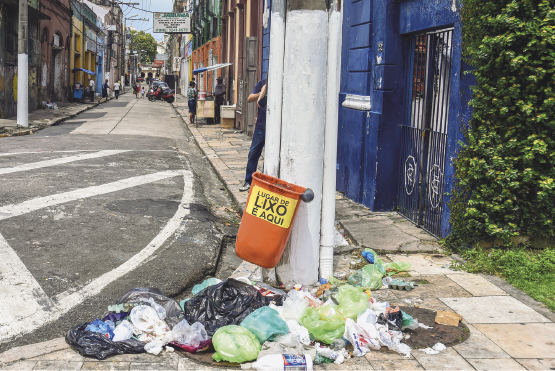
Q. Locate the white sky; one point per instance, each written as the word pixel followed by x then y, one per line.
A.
pixel 153 6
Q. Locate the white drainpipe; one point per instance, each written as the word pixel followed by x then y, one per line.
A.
pixel 327 228
pixel 275 89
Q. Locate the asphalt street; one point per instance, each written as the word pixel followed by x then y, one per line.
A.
pixel 116 198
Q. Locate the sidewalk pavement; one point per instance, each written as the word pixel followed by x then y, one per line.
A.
pixel 41 118
pixel 508 329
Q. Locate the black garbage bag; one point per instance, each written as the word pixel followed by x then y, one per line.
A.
pixel 94 344
pixel 395 320
pixel 174 314
pixel 226 303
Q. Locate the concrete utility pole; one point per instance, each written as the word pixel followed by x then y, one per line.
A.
pixel 302 131
pixel 23 66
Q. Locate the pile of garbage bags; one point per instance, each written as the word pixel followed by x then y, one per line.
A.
pixel 254 324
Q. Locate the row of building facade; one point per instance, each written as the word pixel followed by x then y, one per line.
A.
pixel 403 94
pixel 64 35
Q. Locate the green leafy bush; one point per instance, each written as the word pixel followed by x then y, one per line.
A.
pixel 505 173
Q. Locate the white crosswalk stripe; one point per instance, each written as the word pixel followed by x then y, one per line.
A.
pixel 25 306
pixel 59 161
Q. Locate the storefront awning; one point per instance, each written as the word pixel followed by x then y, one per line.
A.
pixel 211 68
pixel 84 70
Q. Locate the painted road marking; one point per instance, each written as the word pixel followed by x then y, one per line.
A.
pixel 20 293
pixel 59 161
pixel 42 310
pixel 10 211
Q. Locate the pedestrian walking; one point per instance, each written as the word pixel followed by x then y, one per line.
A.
pixel 142 92
pixel 259 96
pixel 91 89
pixel 105 88
pixel 220 98
pixel 116 89
pixel 192 100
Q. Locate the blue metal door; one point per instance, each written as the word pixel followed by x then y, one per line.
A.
pixel 424 130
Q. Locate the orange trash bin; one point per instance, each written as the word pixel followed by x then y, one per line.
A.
pixel 266 223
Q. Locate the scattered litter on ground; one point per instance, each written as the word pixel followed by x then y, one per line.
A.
pixel 435 349
pixel 244 321
pixel 448 318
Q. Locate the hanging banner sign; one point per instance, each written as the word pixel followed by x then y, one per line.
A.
pixel 171 23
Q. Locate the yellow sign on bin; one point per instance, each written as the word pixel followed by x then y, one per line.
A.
pixel 271 207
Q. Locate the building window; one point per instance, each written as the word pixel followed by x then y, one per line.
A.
pixel 11 35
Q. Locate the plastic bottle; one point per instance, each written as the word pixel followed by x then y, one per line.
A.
pixel 284 362
pixel 339 344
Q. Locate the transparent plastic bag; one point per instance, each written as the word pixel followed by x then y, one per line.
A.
pixel 294 306
pixel 325 323
pixel 160 310
pixel 191 335
pixel 235 344
pixel 265 323
pixel 396 267
pixel 352 301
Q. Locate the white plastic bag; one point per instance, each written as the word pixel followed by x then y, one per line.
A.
pixel 438 347
pixel 362 341
pixel 154 347
pixel 338 356
pixel 160 310
pixel 277 362
pixel 123 331
pixel 145 319
pixel 402 349
pixel 300 332
pixel 294 306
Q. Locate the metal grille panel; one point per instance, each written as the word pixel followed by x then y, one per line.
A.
pixel 424 131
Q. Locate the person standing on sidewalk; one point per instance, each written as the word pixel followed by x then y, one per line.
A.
pixel 91 87
pixel 220 97
pixel 192 100
pixel 105 88
pixel 259 96
pixel 116 89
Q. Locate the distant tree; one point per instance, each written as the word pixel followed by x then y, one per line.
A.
pixel 141 40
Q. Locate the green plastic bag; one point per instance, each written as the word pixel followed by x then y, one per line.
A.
pixel 265 323
pixel 235 344
pixel 325 323
pixel 352 301
pixel 207 282
pixel 396 267
pixel 373 275
pixel 407 319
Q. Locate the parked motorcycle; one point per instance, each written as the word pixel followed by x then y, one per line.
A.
pixel 167 95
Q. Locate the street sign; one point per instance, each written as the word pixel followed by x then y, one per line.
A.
pixel 171 23
pixel 157 64
pixel 176 64
pixel 162 57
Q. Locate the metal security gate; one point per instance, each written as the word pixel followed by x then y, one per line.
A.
pixel 424 130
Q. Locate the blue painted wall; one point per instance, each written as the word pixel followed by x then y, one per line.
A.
pixel 374 57
pixel 371 65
